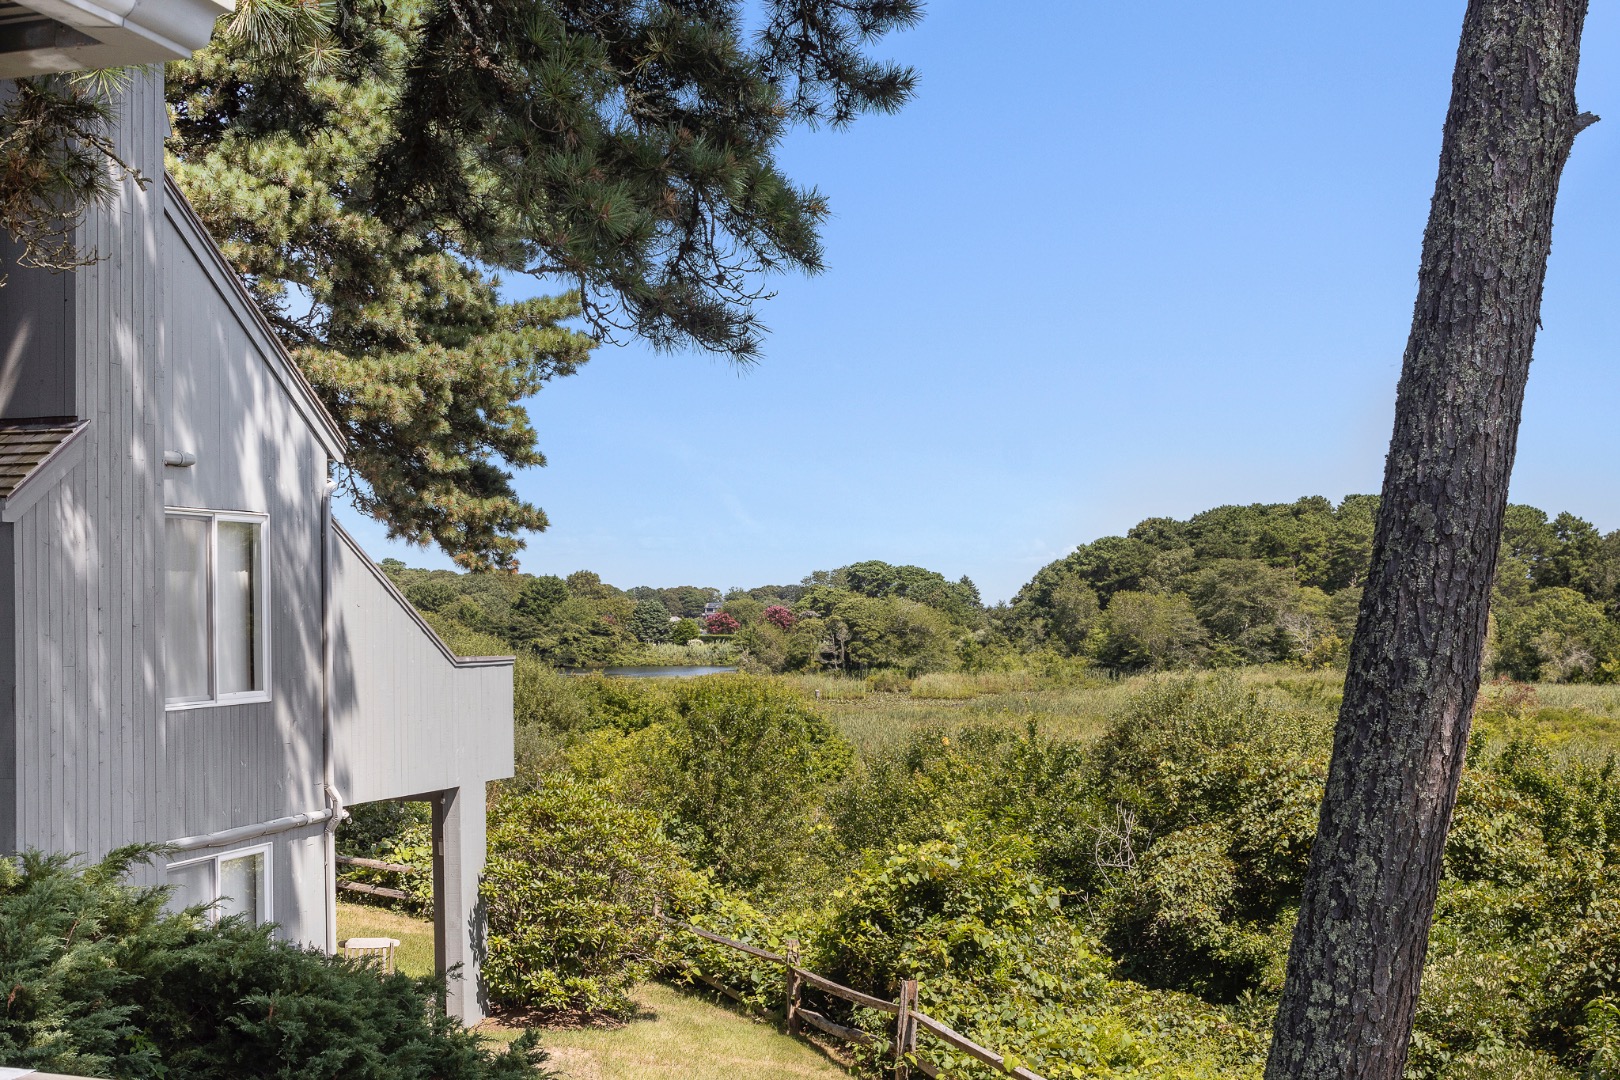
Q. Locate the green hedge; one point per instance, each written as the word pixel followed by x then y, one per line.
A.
pixel 103 982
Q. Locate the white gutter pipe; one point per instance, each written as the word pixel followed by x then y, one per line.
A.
pixel 248 832
pixel 334 800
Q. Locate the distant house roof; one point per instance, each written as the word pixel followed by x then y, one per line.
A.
pixel 25 446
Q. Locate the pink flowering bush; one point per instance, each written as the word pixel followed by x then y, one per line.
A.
pixel 721 623
pixel 779 616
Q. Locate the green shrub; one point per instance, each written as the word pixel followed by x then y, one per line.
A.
pixel 972 920
pixel 737 774
pixel 959 905
pixel 548 699
pixel 714 909
pixel 1474 1009
pixel 1585 970
pixel 103 982
pixel 1505 1064
pixel 1177 921
pixel 1213 793
pixel 889 681
pixel 570 887
pixel 1023 782
pixel 1191 749
pixel 625 704
pixel 1600 1038
pixel 1495 836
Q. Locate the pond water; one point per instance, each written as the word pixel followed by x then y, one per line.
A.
pixel 666 672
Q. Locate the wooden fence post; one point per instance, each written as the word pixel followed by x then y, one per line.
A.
pixel 905 1030
pixel 790 949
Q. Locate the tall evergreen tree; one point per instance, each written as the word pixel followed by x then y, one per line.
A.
pixel 372 173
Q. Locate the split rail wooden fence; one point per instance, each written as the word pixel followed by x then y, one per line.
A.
pixel 908 1022
pixel 374 890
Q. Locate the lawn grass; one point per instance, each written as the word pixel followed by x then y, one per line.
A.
pixel 672 1035
pixel 675 1034
pixel 415 953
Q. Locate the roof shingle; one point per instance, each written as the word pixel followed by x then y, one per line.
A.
pixel 24 445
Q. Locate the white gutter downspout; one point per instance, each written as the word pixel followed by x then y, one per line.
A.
pixel 334 801
pixel 249 832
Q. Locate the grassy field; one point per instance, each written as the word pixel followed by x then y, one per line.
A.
pixel 672 1035
pixel 1579 719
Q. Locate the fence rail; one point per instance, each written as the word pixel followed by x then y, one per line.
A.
pixel 373 864
pixel 909 1023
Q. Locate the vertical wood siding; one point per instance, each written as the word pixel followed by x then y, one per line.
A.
pixel 163 353
pixel 8 689
pixel 86 601
pixel 160 353
pixel 36 341
pixel 222 403
pixel 407 717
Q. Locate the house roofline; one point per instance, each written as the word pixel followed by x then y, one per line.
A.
pixel 410 609
pixel 180 212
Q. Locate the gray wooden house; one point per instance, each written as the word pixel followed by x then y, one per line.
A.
pixel 192 652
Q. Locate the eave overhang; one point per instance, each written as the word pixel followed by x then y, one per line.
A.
pixel 41 37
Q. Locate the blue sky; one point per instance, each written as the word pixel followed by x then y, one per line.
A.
pixel 1115 261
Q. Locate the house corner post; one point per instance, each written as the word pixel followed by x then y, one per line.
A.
pixel 458 913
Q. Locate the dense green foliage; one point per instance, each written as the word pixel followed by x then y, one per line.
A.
pixel 103 982
pixel 1261 583
pixel 570 887
pixel 1118 906
pixel 732 767
pixel 393 832
pixel 371 168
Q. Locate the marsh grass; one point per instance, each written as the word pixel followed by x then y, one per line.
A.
pixel 965 686
pixel 1576 719
pixel 828 687
pixel 944 686
pixel 881 721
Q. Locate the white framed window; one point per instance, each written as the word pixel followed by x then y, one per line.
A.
pixel 235 882
pixel 216 647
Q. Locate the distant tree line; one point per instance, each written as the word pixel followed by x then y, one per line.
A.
pixel 1282 582
pixel 1264 583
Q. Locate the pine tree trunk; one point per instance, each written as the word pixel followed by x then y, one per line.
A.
pixel 1363 929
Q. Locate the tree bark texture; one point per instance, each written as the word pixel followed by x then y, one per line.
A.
pixel 1363 929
